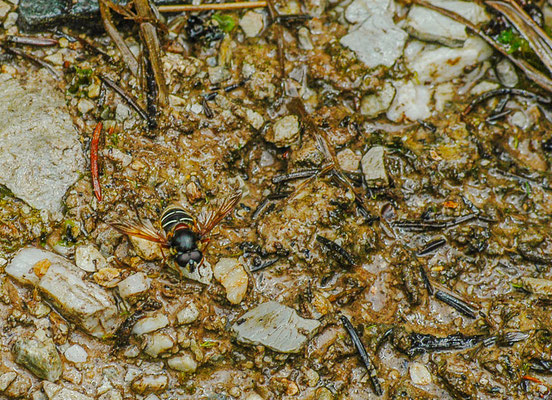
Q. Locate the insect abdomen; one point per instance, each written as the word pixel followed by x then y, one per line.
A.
pixel 173 216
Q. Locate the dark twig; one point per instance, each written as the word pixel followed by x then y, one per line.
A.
pixel 372 371
pixel 32 40
pixel 152 49
pixel 114 34
pixel 292 18
pixel 263 205
pixel 34 59
pixel 458 304
pixel 307 173
pixel 207 109
pixel 127 97
pixel 85 43
pixel 216 6
pixel 427 282
pixel 431 247
pixel 265 264
pixel 503 91
pixel 433 225
pixel 336 251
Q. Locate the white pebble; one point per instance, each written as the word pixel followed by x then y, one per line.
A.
pixel 158 343
pixel 89 258
pixel 133 285
pixel 231 274
pixel 252 23
pixel 4 9
pixel 76 354
pixel 150 324
pixel 419 374
pixel 183 363
pixel 85 105
pixel 188 314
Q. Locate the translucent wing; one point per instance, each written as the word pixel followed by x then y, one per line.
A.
pixel 144 231
pixel 208 220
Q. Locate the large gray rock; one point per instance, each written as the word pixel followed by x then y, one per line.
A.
pixel 40 154
pixel 275 326
pixel 86 304
pixel 37 14
pixel 377 41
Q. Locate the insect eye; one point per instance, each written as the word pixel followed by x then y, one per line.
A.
pixel 196 256
pixel 182 259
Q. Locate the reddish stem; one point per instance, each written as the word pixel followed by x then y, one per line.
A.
pixel 94 161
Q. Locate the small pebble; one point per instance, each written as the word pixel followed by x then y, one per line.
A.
pixel 419 374
pixel 188 314
pixel 85 105
pixel 252 23
pixel 76 354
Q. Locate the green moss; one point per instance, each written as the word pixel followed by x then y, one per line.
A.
pixel 226 22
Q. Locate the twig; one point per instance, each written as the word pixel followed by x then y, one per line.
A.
pixel 336 250
pixel 307 173
pixel 114 34
pixel 508 91
pixel 34 59
pixel 152 49
pixel 94 160
pixel 206 7
pixel 32 40
pixel 127 97
pixel 458 304
pixel 431 247
pixel 372 371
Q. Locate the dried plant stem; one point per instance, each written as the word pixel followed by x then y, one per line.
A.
pixel 148 32
pixel 206 7
pixel 112 31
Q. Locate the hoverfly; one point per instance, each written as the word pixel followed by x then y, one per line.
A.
pixel 184 235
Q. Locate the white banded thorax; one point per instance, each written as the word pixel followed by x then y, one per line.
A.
pixel 184 235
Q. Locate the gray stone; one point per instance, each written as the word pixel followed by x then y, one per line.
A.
pixel 373 167
pixel 86 304
pixel 378 41
pixel 360 10
pixel 40 154
pixel 275 326
pixel 38 14
pixel 375 104
pixel 252 23
pixel 429 25
pixel 39 355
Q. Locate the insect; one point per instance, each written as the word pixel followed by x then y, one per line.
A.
pixel 184 235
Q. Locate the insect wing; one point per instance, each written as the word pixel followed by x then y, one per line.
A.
pixel 208 220
pixel 145 231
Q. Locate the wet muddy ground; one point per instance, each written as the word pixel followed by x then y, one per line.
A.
pixel 377 214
